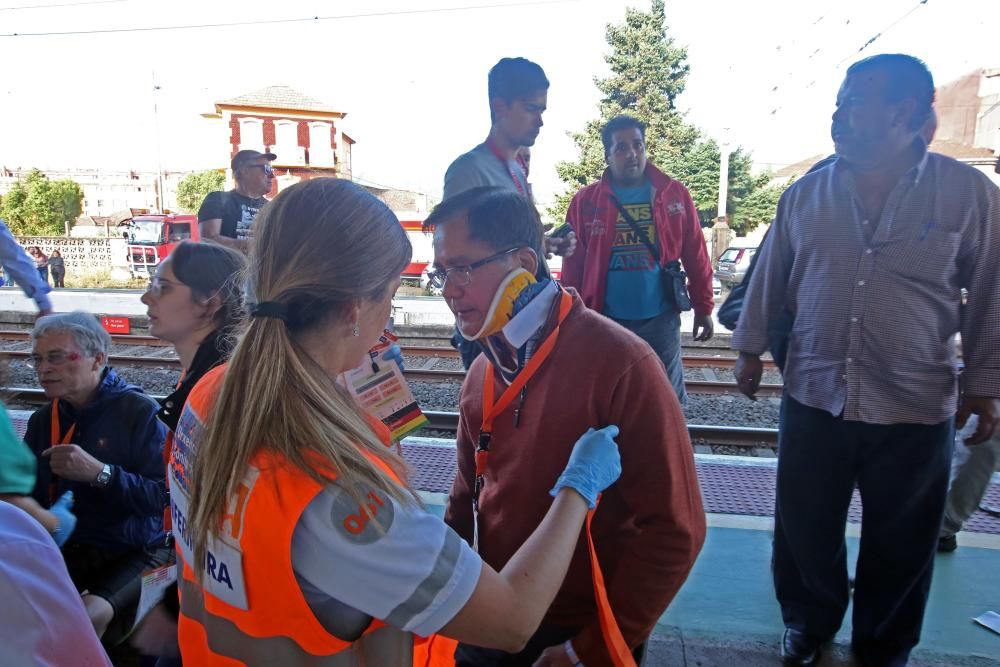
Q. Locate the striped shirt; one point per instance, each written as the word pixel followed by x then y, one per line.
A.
pixel 877 303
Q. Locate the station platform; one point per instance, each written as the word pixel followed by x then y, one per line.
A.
pixel 726 614
pixel 406 310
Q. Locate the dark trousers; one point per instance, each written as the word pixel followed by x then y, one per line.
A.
pixel 901 471
pixel 546 636
pixel 663 333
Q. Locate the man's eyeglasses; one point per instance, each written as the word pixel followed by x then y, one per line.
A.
pixel 266 167
pixel 462 275
pixel 56 358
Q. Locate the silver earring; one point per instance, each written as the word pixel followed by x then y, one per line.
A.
pixel 357 330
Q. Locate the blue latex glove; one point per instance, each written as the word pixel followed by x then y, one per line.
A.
pixel 394 353
pixel 593 466
pixel 67 520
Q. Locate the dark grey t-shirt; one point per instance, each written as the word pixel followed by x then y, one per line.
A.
pixel 236 212
pixel 481 167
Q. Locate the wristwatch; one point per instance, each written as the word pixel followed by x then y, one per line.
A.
pixel 103 477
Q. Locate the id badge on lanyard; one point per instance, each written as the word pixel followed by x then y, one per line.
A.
pixel 492 410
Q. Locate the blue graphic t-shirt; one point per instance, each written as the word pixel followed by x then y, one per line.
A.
pixel 635 289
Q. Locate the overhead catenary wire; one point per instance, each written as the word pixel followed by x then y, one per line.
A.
pixel 853 54
pixel 303 19
pixel 882 32
pixel 61 4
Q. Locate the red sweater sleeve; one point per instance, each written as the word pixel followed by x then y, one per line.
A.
pixel 458 514
pixel 573 266
pixel 694 256
pixel 659 485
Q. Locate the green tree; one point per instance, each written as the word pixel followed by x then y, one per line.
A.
pixel 757 208
pixel 36 206
pixel 193 188
pixel 648 72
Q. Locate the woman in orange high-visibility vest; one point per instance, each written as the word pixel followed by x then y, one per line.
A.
pixel 301 542
pixel 194 302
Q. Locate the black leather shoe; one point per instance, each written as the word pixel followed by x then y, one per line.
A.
pixel 947 544
pixel 798 648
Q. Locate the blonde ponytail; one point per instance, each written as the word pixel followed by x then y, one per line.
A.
pixel 321 245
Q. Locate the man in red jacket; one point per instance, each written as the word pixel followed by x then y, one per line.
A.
pixel 621 266
pixel 551 368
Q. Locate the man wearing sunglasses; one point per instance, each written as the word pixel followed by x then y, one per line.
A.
pixel 227 218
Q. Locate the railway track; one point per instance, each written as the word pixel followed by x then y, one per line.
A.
pixel 150 352
pixel 734 436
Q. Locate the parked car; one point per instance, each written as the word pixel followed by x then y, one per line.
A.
pixel 425 282
pixel 716 288
pixel 733 264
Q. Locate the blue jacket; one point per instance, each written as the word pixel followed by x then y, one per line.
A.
pixel 119 426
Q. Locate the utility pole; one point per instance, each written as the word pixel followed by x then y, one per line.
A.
pixel 721 234
pixel 159 161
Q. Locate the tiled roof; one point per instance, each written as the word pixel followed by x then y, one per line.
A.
pixel 797 169
pixel 960 151
pixel 279 97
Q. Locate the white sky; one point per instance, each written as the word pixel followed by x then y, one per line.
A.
pixel 414 86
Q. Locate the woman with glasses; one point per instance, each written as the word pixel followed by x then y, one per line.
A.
pixel 227 218
pixel 195 302
pixel 301 541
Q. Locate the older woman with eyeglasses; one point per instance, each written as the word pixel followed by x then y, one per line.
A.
pixel 98 437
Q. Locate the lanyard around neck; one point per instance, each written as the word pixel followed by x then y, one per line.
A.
pixel 55 438
pixel 506 163
pixel 492 410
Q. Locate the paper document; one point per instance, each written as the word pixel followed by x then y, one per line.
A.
pixel 154 585
pixel 381 389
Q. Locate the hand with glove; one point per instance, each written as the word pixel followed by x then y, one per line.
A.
pixel 593 466
pixel 66 520
pixel 394 353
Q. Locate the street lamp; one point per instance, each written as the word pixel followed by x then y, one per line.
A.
pixel 721 233
pixel 159 161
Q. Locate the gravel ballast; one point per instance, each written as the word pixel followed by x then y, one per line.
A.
pixel 715 409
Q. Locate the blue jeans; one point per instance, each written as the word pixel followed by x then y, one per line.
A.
pixel 663 333
pixel 901 471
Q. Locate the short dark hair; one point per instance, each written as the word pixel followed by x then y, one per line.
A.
pixel 515 78
pixel 620 122
pixel 498 217
pixel 908 78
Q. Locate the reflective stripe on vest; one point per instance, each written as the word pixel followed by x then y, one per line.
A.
pixel 385 646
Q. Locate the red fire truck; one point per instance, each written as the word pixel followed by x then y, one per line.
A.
pixel 152 237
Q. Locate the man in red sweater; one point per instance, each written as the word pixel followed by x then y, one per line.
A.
pixel 620 264
pixel 551 367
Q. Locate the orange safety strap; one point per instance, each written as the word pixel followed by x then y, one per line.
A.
pixel 621 656
pixel 56 438
pixel 57 428
pixel 492 410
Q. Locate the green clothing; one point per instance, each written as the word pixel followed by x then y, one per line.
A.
pixel 17 463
